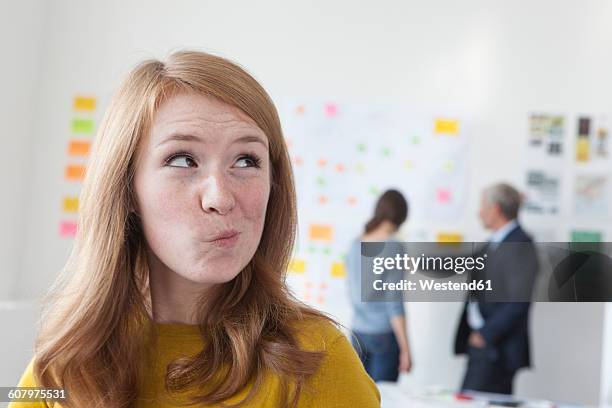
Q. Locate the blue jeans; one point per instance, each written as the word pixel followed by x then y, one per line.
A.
pixel 379 354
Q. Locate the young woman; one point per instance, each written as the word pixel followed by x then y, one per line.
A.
pixel 379 327
pixel 175 290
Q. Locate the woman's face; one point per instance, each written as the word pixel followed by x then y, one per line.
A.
pixel 202 184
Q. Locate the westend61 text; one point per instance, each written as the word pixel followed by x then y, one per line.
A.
pixel 432 284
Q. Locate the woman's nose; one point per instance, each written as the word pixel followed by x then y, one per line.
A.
pixel 217 195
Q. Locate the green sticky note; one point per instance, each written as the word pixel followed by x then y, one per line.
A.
pixel 586 236
pixel 416 140
pixel 327 250
pixel 373 190
pixel 82 126
pixel 361 147
pixel 386 152
pixel 320 181
pixel 312 249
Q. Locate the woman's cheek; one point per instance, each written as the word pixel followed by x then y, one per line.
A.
pixel 257 201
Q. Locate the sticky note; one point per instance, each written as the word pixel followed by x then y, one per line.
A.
pixel 82 126
pixel 323 199
pixel 582 149
pixel 443 195
pixel 322 162
pixel 79 147
pixel 297 266
pixel 331 110
pixel 416 140
pixel 318 232
pixel 84 103
pixel 321 181
pixel 339 167
pixel 338 270
pixel 298 161
pixel 360 167
pixel 71 204
pixel 300 109
pixel 408 164
pixel 586 236
pixel 446 126
pixel 361 147
pixel 351 200
pixel 75 172
pixel 449 237
pixel 448 165
pixel 386 152
pixel 68 229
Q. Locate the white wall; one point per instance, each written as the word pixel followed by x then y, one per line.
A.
pixel 21 26
pixel 493 60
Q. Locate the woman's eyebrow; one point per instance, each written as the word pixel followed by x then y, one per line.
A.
pixel 251 139
pixel 180 137
pixel 193 138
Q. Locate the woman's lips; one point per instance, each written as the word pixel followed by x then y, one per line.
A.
pixel 226 240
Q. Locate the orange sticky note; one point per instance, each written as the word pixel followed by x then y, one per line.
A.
pixel 297 266
pixel 319 232
pixel 79 147
pixel 338 270
pixel 84 103
pixel 71 204
pixel 449 237
pixel 75 172
pixel 447 126
pixel 68 229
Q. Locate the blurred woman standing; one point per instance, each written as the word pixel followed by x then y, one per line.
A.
pixel 379 328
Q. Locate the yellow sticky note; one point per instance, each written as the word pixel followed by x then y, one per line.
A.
pixel 297 266
pixel 71 204
pixel 449 237
pixel 447 126
pixel 75 172
pixel 320 232
pixel 79 147
pixel 582 149
pixel 84 103
pixel 338 270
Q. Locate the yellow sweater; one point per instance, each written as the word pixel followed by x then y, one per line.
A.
pixel 340 382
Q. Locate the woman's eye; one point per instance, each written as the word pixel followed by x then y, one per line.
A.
pixel 180 161
pixel 250 160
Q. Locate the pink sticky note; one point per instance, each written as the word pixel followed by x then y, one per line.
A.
pixel 331 110
pixel 68 229
pixel 443 195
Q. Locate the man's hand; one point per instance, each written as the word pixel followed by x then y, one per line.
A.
pixel 476 340
pixel 405 361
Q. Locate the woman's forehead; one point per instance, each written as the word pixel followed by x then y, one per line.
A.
pixel 192 106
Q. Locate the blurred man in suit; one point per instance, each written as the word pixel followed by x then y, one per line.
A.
pixel 494 333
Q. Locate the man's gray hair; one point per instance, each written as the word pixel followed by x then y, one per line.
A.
pixel 507 197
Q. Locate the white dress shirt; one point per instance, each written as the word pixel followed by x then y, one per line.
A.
pixel 474 317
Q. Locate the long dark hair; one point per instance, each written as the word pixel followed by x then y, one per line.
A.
pixel 391 206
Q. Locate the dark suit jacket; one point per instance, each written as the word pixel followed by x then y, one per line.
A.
pixel 505 327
